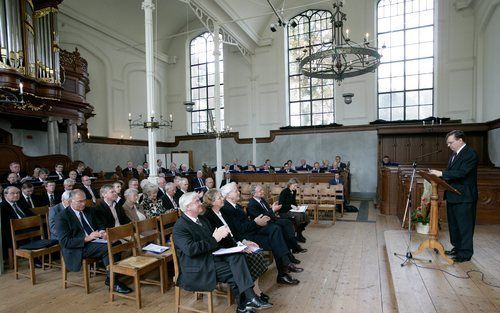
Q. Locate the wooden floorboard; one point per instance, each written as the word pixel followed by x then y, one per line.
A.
pixel 425 289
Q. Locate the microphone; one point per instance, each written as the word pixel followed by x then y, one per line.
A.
pixel 428 154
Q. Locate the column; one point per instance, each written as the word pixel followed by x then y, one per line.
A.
pixel 218 142
pixel 52 135
pixel 72 135
pixel 148 7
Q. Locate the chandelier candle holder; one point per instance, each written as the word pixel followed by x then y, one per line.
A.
pixel 152 122
pixel 342 57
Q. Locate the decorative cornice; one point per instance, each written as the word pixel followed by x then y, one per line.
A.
pixel 462 4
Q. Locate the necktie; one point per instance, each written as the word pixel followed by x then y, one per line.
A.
pixel 85 225
pixel 454 154
pixel 201 182
pixel 263 205
pixel 28 199
pixel 18 210
pixel 198 222
pixel 51 200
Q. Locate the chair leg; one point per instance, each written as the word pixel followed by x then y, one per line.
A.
pixel 163 281
pixel 16 266
pixel 210 302
pixel 64 273
pixel 32 270
pixel 86 276
pixel 111 285
pixel 137 285
pixel 177 299
pixel 10 253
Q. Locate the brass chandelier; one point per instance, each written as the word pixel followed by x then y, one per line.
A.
pixel 342 57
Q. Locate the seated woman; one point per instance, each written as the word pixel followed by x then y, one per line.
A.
pixel 151 204
pixel 316 168
pixel 132 209
pixel 212 203
pixel 288 201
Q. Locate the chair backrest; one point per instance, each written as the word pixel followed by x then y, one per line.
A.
pixel 326 195
pixel 26 228
pixel 125 232
pixel 43 211
pixel 174 258
pixel 146 231
pixel 339 191
pixel 167 222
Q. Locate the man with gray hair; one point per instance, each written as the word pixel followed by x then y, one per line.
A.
pixel 77 228
pixel 168 200
pixel 68 184
pixel 55 210
pixel 268 236
pixel 110 213
pixel 200 269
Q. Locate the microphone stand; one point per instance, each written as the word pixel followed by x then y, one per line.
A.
pixel 408 257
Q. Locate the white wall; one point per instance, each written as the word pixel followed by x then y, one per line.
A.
pixel 491 73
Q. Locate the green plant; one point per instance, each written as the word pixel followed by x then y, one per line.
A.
pixel 420 215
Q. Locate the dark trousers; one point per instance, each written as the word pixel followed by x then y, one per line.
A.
pixel 271 238
pixel 461 222
pixel 233 269
pixel 97 251
pixel 288 231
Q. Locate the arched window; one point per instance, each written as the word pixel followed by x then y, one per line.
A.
pixel 202 74
pixel 406 72
pixel 311 99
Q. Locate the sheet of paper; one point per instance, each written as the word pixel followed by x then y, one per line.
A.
pixel 155 248
pixel 300 208
pixel 99 240
pixel 223 251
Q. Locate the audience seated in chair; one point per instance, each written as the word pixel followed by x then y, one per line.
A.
pixel 54 212
pixel 132 209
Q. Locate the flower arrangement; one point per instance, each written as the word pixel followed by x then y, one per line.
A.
pixel 421 214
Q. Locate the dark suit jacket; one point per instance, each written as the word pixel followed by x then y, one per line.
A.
pixel 224 182
pixel 194 245
pixel 167 204
pixel 306 167
pixel 134 174
pixel 333 182
pixel 8 213
pixel 87 193
pixel 22 203
pixel 254 209
pixel 238 222
pixel 44 199
pixel 56 177
pixel 286 199
pixel 215 222
pixel 72 236
pixel 178 194
pixel 195 183
pixel 105 218
pixel 461 174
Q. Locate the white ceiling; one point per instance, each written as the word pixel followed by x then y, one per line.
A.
pixel 246 19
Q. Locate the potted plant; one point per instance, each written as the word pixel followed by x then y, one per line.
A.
pixel 420 217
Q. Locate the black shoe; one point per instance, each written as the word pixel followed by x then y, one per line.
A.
pixel 286 279
pixel 294 269
pixel 293 259
pixel 460 259
pixel 301 239
pixel 451 252
pixel 244 310
pixel 264 297
pixel 299 249
pixel 119 287
pixel 257 304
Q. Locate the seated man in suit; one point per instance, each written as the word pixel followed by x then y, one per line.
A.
pixel 173 170
pixel 336 180
pixel 169 201
pixel 130 170
pixel 80 168
pixel 200 269
pixel 268 236
pixel 58 173
pixel 69 184
pixel 317 168
pixel 26 200
pixel 209 183
pixel 49 197
pixel 227 179
pixel 15 168
pixel 12 180
pixel 199 181
pixel 117 186
pixel 182 187
pixel 259 206
pixel 108 212
pixel 162 187
pixel 159 167
pixel 43 175
pixel 90 192
pixel 303 166
pixel 145 168
pixel 341 166
pixel 54 212
pixel 77 228
pixel 10 209
pixel 386 161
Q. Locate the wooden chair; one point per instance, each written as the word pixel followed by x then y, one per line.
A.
pixel 134 266
pixel 309 196
pixel 30 228
pixel 326 203
pixel 339 197
pixel 146 232
pixel 87 271
pixel 43 211
pixel 167 222
pixel 275 192
pixel 209 294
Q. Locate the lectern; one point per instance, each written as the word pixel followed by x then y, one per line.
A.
pixel 433 241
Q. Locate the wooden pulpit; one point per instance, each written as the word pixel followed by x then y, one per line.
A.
pixel 433 241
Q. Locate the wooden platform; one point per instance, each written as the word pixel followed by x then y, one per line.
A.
pixel 427 290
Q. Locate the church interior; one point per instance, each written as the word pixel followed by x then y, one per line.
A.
pixel 258 92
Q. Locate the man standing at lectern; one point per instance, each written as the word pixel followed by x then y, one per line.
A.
pixel 461 174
